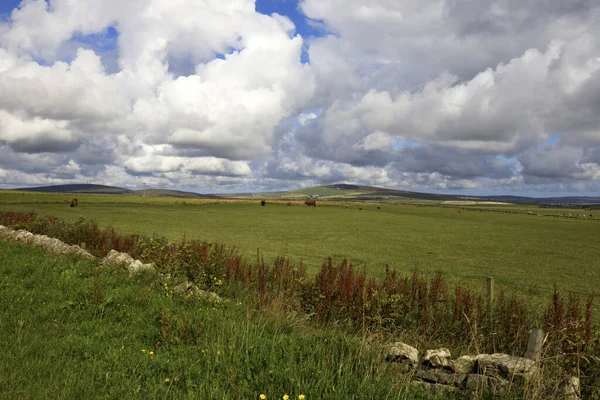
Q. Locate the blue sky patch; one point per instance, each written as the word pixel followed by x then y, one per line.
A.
pixel 291 9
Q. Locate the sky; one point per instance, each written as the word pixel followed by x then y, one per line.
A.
pixel 483 97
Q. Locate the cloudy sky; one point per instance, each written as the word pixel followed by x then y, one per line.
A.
pixel 452 96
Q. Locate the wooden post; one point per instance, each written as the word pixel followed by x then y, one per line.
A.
pixel 490 290
pixel 534 345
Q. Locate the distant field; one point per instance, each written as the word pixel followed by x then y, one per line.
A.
pixel 517 250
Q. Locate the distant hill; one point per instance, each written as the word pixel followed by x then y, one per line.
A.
pixel 102 189
pixel 172 193
pixel 348 192
pixel 339 191
pixel 84 188
pixel 572 200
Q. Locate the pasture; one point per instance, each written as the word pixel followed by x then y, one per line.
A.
pixel 517 250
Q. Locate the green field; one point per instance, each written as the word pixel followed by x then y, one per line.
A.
pixel 517 250
pixel 72 331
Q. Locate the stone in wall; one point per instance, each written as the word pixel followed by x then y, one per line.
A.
pixel 402 352
pixel 463 364
pixel 505 366
pixel 115 258
pixel 437 358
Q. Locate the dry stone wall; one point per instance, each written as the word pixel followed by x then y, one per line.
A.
pixel 51 245
pixel 474 375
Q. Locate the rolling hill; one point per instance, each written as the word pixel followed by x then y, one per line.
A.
pixel 85 188
pixel 340 191
pixel 112 190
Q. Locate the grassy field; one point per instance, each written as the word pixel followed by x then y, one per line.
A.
pixel 517 250
pixel 72 331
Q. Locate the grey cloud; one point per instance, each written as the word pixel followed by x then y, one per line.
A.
pixel 456 164
pixel 557 163
pixel 44 144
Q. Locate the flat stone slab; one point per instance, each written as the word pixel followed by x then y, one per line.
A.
pixel 505 365
pixel 440 376
pixel 398 352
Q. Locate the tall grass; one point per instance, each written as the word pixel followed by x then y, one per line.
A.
pixel 72 331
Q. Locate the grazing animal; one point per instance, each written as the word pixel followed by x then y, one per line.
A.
pixel 74 203
pixel 346 206
pixel 289 203
pixel 459 211
pixel 310 203
pixel 263 203
pixel 379 208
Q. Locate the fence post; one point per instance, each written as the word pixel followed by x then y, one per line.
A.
pixel 534 345
pixel 490 290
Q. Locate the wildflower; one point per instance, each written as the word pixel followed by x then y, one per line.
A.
pixel 151 353
pixel 262 396
pixel 300 397
pixel 176 379
pixel 143 350
pixel 286 397
pixel 167 380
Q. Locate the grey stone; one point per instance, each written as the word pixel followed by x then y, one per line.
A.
pixel 571 389
pixel 399 351
pixel 187 286
pixel 117 258
pixel 504 365
pixel 440 376
pixel 463 364
pixel 437 358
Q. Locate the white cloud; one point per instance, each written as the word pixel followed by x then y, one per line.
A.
pixel 212 93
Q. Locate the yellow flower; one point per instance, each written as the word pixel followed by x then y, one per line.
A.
pixel 151 353
pixel 286 397
pixel 300 397
pixel 262 396
pixel 176 379
pixel 167 380
pixel 143 350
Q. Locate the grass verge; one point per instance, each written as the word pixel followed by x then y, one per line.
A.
pixel 73 330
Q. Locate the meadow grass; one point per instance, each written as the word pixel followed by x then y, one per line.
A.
pixel 71 330
pixel 528 253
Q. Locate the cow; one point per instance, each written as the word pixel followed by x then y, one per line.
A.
pixel 310 203
pixel 263 203
pixel 74 203
pixel 289 203
pixel 346 206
